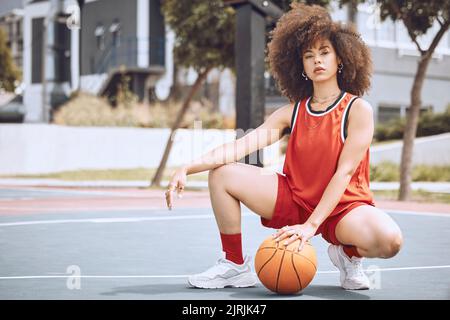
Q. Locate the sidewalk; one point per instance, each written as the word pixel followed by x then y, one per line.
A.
pixel 439 187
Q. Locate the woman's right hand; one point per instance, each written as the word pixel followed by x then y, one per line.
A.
pixel 178 181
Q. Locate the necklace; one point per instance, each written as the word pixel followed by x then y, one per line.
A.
pixel 314 99
pixel 317 122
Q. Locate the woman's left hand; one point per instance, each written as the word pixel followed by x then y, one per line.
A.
pixel 289 234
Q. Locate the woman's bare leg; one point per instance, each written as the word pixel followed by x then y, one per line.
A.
pixel 371 231
pixel 229 185
pixel 237 182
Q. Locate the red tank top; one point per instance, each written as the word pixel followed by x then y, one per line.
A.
pixel 312 155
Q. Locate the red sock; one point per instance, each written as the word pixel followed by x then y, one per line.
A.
pixel 351 251
pixel 232 246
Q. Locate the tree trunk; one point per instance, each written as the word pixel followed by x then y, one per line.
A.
pixel 352 11
pixel 156 181
pixel 175 90
pixel 409 135
pixel 412 118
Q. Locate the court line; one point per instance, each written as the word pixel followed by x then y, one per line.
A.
pixel 245 213
pixel 111 220
pixel 418 213
pixel 186 275
pixel 116 208
pixel 92 209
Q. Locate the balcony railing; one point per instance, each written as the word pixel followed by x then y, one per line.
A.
pixel 131 52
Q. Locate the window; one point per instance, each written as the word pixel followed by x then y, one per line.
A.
pixel 100 36
pixel 387 112
pixel 115 32
pixel 37 30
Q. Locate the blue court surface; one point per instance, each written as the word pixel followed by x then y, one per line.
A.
pixel 147 253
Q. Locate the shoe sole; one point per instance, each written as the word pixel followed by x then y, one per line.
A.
pixel 240 281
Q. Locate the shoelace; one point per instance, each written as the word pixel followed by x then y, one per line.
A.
pixel 354 268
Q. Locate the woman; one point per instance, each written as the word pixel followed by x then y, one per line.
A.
pixel 322 67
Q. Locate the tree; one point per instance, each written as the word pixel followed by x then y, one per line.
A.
pixel 204 39
pixel 9 73
pixel 352 8
pixel 285 5
pixel 418 17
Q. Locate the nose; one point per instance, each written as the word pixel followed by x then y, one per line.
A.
pixel 316 60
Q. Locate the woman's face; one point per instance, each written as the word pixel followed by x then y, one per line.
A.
pixel 320 61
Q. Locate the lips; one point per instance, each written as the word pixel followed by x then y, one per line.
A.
pixel 319 69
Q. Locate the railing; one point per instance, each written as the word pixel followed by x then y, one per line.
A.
pixel 131 52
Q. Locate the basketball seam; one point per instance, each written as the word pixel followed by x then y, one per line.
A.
pixel 296 273
pixel 308 260
pixel 267 248
pixel 262 267
pixel 279 270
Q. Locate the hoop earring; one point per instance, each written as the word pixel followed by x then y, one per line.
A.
pixel 340 67
pixel 304 75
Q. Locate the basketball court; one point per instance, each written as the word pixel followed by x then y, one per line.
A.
pixel 67 243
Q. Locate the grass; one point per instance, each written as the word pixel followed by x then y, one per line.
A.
pixel 416 196
pixel 147 174
pixel 112 174
pixel 383 172
pixel 388 171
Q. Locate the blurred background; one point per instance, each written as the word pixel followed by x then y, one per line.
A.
pixel 94 90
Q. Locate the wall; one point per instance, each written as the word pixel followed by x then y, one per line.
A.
pixel 41 148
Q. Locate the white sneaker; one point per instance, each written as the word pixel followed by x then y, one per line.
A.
pixel 352 274
pixel 223 274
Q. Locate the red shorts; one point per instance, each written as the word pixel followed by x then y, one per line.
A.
pixel 288 212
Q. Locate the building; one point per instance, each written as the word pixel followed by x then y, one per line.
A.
pixel 95 43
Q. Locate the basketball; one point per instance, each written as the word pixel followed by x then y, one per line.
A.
pixel 283 269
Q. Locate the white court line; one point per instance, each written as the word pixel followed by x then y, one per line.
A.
pixel 245 213
pixel 111 220
pixel 95 209
pixel 186 275
pixel 417 213
pixel 115 208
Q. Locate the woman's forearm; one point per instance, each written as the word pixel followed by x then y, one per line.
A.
pixel 330 198
pixel 233 151
pixel 226 153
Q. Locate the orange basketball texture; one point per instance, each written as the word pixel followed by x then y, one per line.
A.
pixel 283 269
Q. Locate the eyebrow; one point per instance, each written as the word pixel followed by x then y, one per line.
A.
pixel 322 47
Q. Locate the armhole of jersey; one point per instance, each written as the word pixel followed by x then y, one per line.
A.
pixel 345 120
pixel 294 117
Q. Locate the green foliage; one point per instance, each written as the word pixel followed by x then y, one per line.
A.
pixel 417 15
pixel 204 31
pixel 434 123
pixel 285 5
pixel 429 124
pixel 9 73
pixel 388 171
pixel 392 130
pixel 431 173
pixel 385 171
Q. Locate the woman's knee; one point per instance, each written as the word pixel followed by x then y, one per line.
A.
pixel 390 244
pixel 219 174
